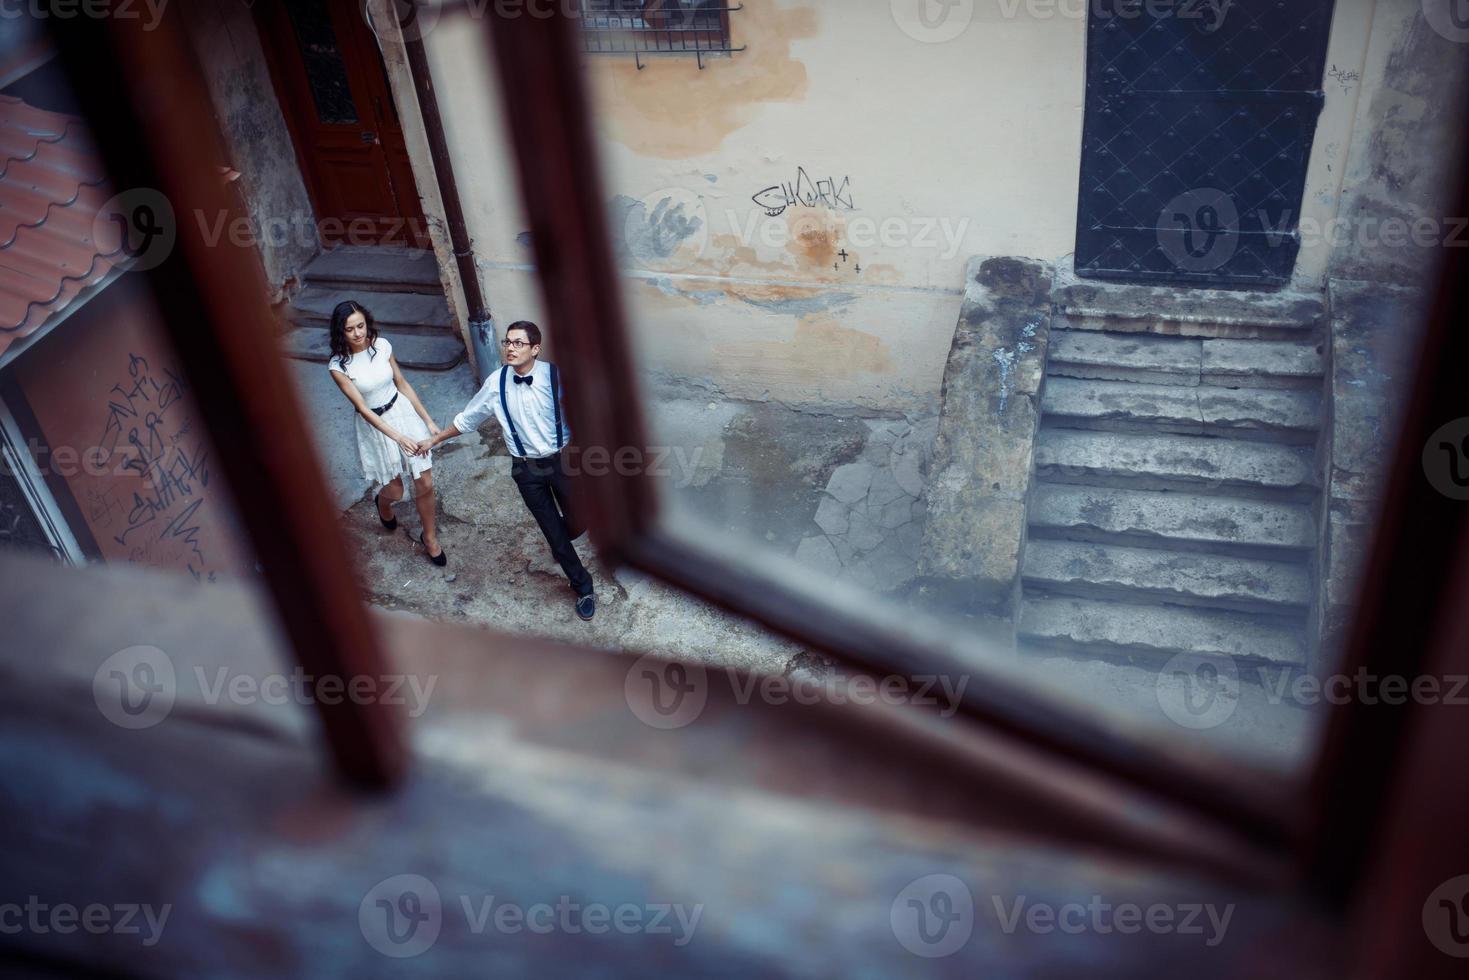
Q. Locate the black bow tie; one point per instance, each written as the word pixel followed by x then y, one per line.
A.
pixel 529 379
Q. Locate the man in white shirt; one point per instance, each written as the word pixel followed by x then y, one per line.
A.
pixel 524 396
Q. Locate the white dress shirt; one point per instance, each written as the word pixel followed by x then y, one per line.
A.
pixel 530 407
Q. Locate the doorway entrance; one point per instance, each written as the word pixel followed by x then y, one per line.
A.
pixel 334 93
pixel 1196 139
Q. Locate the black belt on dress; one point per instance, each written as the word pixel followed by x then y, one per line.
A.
pixel 391 402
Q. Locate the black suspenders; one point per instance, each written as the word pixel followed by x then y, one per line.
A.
pixel 555 407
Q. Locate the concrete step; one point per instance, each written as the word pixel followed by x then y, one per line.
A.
pixel 1185 361
pixel 1122 406
pixel 1147 461
pixel 383 270
pixel 402 311
pixel 1184 521
pixel 1158 632
pixel 422 351
pixel 1262 364
pixel 1097 571
pixel 1092 304
pixel 1125 357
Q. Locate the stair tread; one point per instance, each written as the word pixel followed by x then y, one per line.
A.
pixel 1184 517
pixel 388 266
pixel 1137 351
pixel 1281 358
pixel 1207 578
pixel 1280 309
pixel 434 352
pixel 1183 458
pixel 1190 409
pixel 1161 629
pixel 315 303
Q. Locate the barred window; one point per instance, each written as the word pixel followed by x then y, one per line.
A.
pixel 657 27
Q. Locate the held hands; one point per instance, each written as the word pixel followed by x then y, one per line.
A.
pixel 409 446
pixel 424 445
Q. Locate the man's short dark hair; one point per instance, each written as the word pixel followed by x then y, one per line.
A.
pixel 532 332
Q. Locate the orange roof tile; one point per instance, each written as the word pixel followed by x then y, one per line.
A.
pixel 52 187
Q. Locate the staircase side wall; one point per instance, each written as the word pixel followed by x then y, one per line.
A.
pixel 983 466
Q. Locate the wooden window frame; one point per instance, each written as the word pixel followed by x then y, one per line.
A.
pixel 1375 774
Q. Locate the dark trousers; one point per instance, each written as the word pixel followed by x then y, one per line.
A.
pixel 543 487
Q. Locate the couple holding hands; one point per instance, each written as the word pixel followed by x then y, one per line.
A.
pixel 395 432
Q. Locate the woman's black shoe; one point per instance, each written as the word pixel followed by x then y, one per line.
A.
pixel 441 559
pixel 390 523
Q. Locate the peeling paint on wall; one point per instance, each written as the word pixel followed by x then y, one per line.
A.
pixel 671 109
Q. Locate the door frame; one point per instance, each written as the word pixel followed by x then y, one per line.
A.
pixel 275 28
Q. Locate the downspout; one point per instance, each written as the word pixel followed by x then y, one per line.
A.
pixel 481 323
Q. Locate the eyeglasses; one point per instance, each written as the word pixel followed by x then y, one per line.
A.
pixel 514 344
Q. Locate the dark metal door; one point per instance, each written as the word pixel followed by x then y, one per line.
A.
pixel 1198 129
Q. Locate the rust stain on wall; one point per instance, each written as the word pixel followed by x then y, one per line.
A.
pixel 822 348
pixel 816 239
pixel 673 110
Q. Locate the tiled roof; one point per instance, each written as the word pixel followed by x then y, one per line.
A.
pixel 52 187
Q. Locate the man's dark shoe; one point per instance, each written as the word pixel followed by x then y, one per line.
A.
pixel 586 606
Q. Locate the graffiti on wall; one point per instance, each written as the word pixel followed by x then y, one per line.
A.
pixel 148 437
pixel 807 193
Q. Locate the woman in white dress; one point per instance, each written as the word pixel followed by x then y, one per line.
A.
pixel 388 429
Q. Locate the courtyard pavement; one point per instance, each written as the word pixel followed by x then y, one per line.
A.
pixel 841 495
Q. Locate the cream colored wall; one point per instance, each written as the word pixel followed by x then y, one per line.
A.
pixel 946 150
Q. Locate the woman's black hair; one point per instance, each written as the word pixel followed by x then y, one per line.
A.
pixel 341 350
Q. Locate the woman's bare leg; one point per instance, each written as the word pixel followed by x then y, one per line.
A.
pixel 390 494
pixel 423 499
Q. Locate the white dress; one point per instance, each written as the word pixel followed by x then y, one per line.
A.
pixel 383 460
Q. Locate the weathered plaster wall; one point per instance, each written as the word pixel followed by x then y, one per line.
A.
pixel 280 211
pixel 745 197
pixel 1405 148
pixel 916 156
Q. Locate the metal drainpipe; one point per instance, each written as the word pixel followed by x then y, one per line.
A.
pixel 481 323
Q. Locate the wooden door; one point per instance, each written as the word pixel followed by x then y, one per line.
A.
pixel 333 90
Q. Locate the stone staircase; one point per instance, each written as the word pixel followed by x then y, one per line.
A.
pixel 1176 504
pixel 402 289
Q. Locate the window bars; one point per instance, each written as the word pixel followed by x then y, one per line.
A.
pixel 657 27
